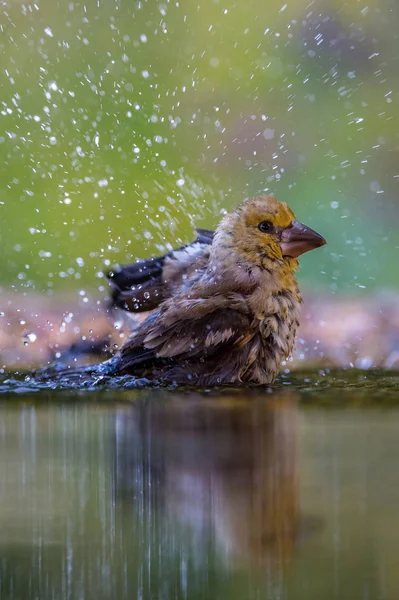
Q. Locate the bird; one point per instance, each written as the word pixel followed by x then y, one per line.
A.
pixel 222 310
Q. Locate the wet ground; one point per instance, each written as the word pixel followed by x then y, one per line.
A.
pixel 285 493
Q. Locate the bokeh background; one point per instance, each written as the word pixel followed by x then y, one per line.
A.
pixel 125 122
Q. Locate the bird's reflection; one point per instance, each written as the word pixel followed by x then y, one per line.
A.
pixel 223 470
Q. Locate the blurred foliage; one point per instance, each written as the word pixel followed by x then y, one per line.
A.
pixel 124 122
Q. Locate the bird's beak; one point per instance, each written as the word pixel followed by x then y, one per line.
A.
pixel 298 238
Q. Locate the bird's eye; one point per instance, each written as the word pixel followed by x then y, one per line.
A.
pixel 265 226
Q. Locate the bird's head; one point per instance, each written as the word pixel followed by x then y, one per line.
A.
pixel 264 231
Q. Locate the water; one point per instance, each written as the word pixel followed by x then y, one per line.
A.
pixel 284 494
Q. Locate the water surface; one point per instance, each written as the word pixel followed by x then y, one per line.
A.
pixel 284 494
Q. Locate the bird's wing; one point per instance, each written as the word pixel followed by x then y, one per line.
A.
pixel 143 285
pixel 191 330
pixel 137 287
pixel 204 236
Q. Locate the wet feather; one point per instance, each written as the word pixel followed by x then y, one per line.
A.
pixel 226 307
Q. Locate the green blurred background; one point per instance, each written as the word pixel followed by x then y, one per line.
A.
pixel 123 123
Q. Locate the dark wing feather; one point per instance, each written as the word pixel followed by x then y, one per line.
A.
pixel 137 287
pixel 205 339
pixel 137 273
pixel 141 286
pixel 204 236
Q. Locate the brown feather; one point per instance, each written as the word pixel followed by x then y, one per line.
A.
pixel 228 309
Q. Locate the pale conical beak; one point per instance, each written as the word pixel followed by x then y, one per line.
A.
pixel 298 238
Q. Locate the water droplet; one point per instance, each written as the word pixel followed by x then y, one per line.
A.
pixel 268 134
pixel 29 338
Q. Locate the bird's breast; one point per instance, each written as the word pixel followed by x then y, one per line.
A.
pixel 277 329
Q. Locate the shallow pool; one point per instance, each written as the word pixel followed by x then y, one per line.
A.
pixel 287 493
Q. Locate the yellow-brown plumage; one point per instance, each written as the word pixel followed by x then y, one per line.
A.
pixel 224 309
